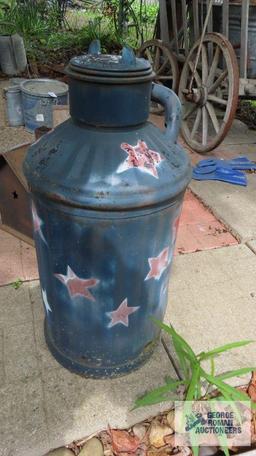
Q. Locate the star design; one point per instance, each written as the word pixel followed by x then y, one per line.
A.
pixel 77 286
pixel 121 314
pixel 141 157
pixel 46 303
pixel 37 223
pixel 158 264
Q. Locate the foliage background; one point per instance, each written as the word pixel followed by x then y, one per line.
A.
pixel 55 30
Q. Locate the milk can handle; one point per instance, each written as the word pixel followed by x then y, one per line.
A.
pixel 172 106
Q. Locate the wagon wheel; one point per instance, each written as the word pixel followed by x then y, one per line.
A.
pixel 209 98
pixel 164 64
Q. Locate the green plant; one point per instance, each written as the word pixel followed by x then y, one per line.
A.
pixel 198 384
pixel 132 20
pixel 17 284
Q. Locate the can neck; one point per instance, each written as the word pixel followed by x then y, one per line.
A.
pixel 109 105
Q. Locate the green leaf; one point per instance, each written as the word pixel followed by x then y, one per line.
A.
pixel 236 373
pixel 195 450
pixel 232 405
pixel 212 366
pixel 216 351
pixel 158 394
pixel 233 392
pixel 223 439
pixel 183 361
pixel 188 352
pixel 192 389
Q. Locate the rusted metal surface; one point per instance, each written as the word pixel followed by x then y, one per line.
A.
pixel 14 198
pixel 15 157
pixel 41 131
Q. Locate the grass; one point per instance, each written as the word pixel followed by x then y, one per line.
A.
pixel 47 43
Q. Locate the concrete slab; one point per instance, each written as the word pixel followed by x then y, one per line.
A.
pixel 213 310
pixel 252 245
pixel 239 134
pixel 20 360
pixel 67 406
pixel 77 406
pixel 212 300
pixel 15 306
pixel 233 205
pixel 23 429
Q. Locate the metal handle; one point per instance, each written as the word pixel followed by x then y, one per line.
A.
pixel 172 105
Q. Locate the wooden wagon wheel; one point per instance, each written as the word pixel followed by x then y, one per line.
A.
pixel 163 61
pixel 164 64
pixel 209 94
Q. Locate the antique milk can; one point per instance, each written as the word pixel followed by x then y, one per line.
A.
pixel 107 188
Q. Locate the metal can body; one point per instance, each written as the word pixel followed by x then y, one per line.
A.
pixel 106 206
pixel 98 322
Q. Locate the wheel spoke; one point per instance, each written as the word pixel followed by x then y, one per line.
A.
pixel 149 55
pixel 189 111
pixel 162 67
pixel 218 81
pixel 157 59
pixel 204 126
pixel 213 116
pixel 163 78
pixel 217 100
pixel 197 77
pixel 204 64
pixel 196 123
pixel 214 66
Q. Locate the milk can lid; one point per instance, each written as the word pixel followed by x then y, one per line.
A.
pixel 95 65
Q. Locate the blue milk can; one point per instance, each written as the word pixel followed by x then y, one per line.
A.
pixel 107 188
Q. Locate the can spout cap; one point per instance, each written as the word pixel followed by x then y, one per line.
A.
pixel 95 47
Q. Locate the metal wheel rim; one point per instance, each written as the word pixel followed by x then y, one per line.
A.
pixel 227 51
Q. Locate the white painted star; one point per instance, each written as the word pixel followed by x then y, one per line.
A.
pixel 45 301
pixel 37 222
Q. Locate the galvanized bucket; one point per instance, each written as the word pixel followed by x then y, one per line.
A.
pixel 38 97
pixel 14 106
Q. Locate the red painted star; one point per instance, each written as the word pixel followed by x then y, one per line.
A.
pixel 77 286
pixel 121 314
pixel 37 223
pixel 141 157
pixel 158 264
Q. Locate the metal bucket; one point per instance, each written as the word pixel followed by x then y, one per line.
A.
pixel 13 58
pixel 38 97
pixel 14 106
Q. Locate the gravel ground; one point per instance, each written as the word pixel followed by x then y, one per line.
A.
pixel 10 136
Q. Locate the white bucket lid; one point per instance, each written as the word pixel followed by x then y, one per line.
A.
pixel 44 87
